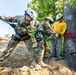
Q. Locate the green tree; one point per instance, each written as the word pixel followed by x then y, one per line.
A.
pixel 46 8
pixel 72 3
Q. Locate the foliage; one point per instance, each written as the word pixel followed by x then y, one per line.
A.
pixel 46 8
pixel 73 3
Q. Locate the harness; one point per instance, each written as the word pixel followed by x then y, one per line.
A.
pixel 40 35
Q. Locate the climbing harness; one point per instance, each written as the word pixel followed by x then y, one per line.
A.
pixel 40 35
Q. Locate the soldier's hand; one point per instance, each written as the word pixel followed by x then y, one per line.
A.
pixel 24 31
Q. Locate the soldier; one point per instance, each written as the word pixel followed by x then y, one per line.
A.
pixel 22 30
pixel 43 29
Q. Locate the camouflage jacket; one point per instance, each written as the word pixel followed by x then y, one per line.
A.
pixel 45 26
pixel 23 27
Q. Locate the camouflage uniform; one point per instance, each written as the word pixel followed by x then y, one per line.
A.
pixel 45 26
pixel 22 30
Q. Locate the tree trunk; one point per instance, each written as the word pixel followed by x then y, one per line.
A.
pixel 70 40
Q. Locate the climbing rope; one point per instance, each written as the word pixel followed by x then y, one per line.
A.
pixel 70 35
pixel 51 70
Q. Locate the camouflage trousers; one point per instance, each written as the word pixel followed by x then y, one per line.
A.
pixel 39 50
pixel 12 44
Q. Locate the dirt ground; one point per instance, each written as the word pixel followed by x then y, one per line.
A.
pixel 18 63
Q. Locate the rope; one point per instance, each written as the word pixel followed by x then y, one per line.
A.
pixel 70 35
pixel 51 70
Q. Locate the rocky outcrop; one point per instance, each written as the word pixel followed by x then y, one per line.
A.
pixel 18 63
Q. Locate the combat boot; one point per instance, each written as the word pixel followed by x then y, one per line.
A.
pixel 42 64
pixel 58 58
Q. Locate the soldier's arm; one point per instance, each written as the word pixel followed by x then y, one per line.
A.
pixel 10 19
pixel 49 30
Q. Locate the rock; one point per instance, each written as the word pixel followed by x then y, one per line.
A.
pixel 24 69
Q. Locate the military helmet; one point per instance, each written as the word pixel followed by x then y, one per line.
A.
pixel 50 18
pixel 31 13
pixel 59 16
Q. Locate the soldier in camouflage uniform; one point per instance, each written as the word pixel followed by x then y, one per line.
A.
pixel 22 30
pixel 44 26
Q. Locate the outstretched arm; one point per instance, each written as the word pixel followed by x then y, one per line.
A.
pixel 10 19
pixel 6 21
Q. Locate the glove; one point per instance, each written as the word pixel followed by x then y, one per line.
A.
pixel 56 35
